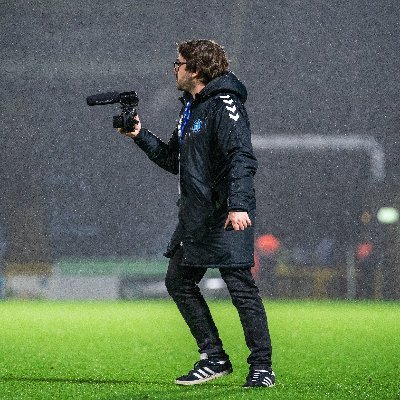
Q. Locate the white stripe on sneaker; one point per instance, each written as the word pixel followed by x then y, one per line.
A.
pixel 210 371
pixel 204 373
pixel 267 382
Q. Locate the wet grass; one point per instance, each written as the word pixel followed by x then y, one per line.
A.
pixel 134 350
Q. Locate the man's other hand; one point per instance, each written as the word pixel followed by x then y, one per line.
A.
pixel 238 219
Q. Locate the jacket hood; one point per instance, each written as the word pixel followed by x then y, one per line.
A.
pixel 225 83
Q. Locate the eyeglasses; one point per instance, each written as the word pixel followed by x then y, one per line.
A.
pixel 177 64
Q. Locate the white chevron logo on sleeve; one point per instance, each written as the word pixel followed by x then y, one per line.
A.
pixel 232 110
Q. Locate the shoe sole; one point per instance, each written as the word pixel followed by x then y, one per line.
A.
pixel 200 381
pixel 258 387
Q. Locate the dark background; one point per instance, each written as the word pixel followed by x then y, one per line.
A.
pixel 72 187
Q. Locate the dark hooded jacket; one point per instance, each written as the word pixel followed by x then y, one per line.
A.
pixel 216 165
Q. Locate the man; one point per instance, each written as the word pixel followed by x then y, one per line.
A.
pixel 211 151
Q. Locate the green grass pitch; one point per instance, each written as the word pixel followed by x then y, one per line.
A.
pixel 134 350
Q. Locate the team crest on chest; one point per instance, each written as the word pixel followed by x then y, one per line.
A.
pixel 197 125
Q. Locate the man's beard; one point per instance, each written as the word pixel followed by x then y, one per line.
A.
pixel 185 85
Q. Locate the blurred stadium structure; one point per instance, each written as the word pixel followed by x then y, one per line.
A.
pixel 84 214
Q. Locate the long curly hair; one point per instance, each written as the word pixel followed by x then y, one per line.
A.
pixel 206 57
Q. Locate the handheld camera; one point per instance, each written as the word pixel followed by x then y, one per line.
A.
pixel 128 101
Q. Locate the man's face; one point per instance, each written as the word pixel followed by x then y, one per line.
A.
pixel 184 79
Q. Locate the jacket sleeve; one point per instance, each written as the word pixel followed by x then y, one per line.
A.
pixel 165 155
pixel 234 141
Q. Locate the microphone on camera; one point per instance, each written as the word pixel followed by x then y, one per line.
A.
pixel 103 99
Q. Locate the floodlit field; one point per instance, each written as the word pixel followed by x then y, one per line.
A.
pixel 134 350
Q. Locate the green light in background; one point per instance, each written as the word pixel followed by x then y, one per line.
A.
pixel 388 215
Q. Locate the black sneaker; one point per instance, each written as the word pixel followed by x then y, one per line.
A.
pixel 260 378
pixel 205 370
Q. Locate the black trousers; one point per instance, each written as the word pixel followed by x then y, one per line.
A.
pixel 182 285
